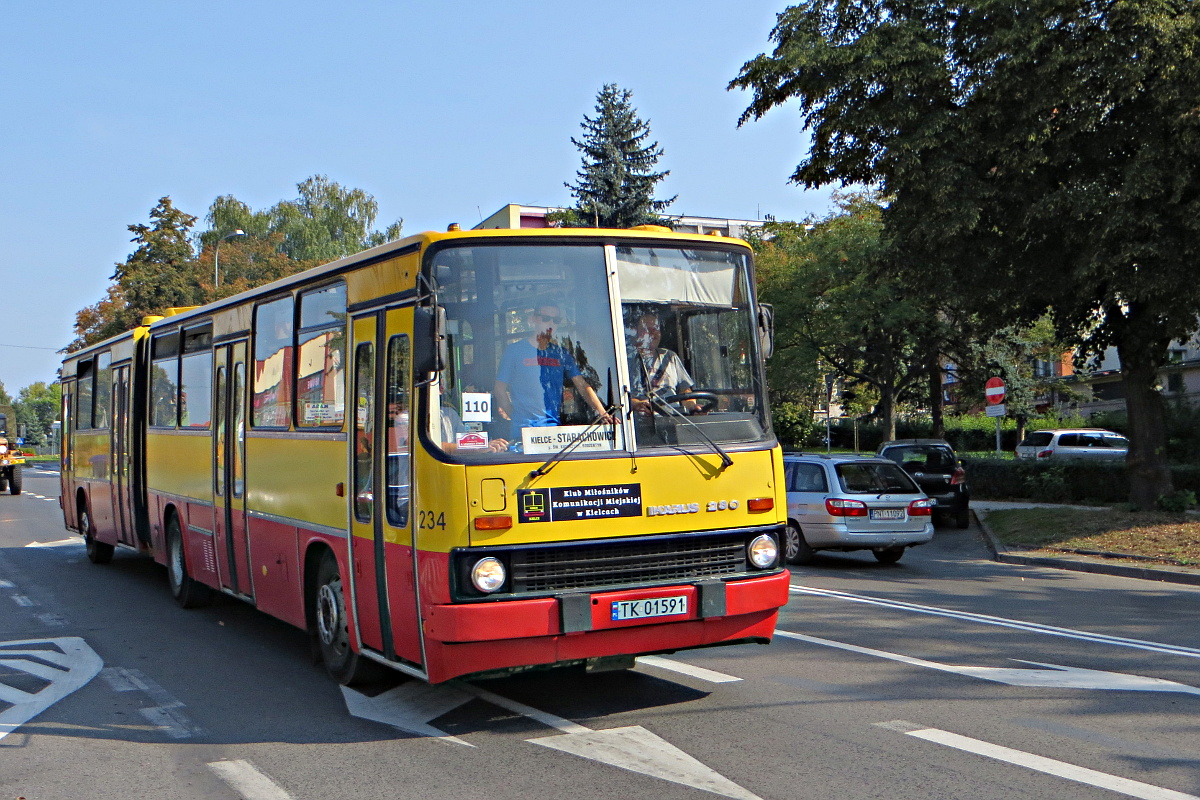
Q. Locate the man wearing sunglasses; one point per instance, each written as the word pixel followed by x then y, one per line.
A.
pixel 529 382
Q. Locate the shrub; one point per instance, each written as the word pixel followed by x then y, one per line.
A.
pixel 1177 501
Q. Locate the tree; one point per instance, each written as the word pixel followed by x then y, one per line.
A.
pixel 325 222
pixel 615 187
pixel 159 274
pixel 37 408
pixel 834 306
pixel 1041 154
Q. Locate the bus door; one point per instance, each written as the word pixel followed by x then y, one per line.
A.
pixel 121 442
pixel 381 542
pixel 229 460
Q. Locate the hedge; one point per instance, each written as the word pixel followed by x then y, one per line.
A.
pixel 1062 481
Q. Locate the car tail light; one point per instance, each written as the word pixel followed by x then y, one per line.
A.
pixel 845 508
pixel 920 508
pixel 959 476
pixel 1045 453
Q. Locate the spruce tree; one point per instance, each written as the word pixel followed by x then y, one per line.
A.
pixel 615 187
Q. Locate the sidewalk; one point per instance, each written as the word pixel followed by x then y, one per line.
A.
pixel 1100 563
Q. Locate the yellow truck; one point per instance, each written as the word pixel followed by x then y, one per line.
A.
pixel 11 457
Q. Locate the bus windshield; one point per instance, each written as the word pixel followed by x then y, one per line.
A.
pixel 534 354
pixel 691 345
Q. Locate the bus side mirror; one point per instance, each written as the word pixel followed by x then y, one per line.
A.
pixel 430 350
pixel 766 329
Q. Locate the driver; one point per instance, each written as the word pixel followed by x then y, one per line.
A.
pixel 664 368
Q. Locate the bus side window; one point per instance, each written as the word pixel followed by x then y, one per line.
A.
pixel 364 430
pixel 398 417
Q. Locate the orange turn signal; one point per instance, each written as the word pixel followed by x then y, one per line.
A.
pixel 760 504
pixel 500 522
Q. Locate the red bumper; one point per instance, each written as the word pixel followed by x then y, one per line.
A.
pixel 475 637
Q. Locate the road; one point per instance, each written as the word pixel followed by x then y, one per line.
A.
pixel 944 676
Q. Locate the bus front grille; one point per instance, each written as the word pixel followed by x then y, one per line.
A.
pixel 683 558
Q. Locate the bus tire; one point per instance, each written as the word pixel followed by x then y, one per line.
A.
pixel 332 628
pixel 97 552
pixel 188 593
pixel 15 480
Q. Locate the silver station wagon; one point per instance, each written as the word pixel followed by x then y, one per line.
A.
pixel 852 502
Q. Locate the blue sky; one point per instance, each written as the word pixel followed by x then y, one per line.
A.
pixel 444 112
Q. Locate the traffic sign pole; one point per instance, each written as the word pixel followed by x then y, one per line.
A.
pixel 994 392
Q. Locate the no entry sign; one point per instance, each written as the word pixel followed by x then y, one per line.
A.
pixel 993 390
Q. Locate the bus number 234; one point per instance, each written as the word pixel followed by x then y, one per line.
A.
pixel 429 520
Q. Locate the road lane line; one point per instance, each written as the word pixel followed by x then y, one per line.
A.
pixel 247 780
pixel 544 717
pixel 21 600
pixel 1032 627
pixel 712 676
pixel 1048 766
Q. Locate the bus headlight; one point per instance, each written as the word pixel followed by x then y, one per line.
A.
pixel 762 551
pixel 488 574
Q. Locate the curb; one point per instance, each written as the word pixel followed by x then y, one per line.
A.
pixel 1003 555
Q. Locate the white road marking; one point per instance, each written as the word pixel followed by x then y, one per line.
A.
pixel 544 717
pixel 712 676
pixel 1033 627
pixel 7 585
pixel 248 781
pixel 638 750
pixel 74 665
pixel 58 543
pixel 1056 676
pixel 410 707
pixel 21 600
pixel 413 705
pixel 166 714
pixel 1049 766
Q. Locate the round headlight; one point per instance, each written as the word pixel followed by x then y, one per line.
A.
pixel 762 551
pixel 3 448
pixel 488 574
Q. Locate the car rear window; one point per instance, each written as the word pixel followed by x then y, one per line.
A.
pixel 1038 439
pixel 1116 441
pixel 922 457
pixel 875 477
pixel 806 478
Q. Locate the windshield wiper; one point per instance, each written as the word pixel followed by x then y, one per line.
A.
pixel 658 404
pixel 552 462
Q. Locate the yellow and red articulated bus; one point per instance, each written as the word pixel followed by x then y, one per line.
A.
pixel 461 453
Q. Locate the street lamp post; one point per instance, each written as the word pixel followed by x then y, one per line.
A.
pixel 217 256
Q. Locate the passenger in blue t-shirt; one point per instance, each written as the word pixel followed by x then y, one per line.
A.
pixel 529 382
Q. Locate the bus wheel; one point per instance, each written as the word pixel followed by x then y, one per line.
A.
pixel 97 552
pixel 15 480
pixel 187 592
pixel 333 631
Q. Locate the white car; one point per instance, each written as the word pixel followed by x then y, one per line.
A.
pixel 1090 444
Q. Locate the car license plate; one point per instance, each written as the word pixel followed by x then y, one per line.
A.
pixel 887 513
pixel 649 607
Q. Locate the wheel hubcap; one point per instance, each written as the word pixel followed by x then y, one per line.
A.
pixel 329 612
pixel 176 562
pixel 791 544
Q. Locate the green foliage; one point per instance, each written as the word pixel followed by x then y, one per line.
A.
pixel 37 407
pixel 615 186
pixel 159 274
pixel 793 422
pixel 838 310
pixel 1038 153
pixel 327 221
pixel 1177 501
